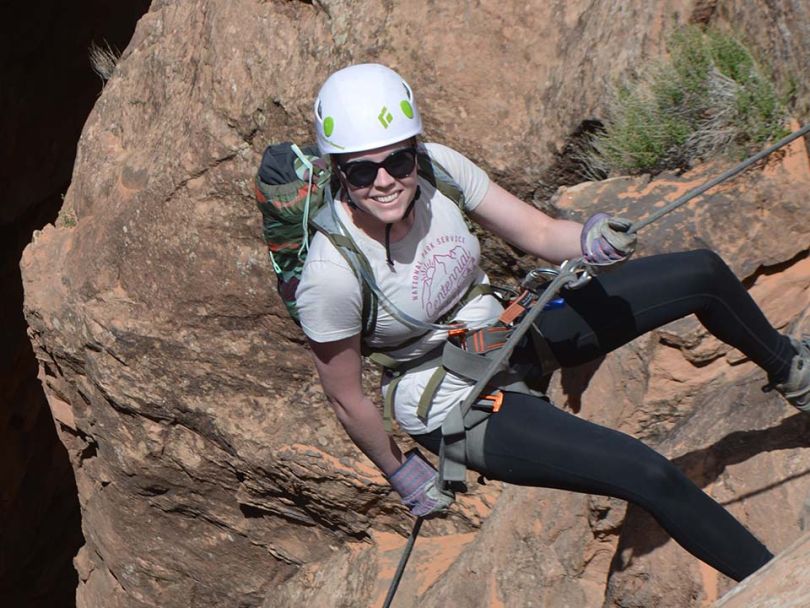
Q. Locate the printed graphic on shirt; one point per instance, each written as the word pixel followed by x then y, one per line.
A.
pixel 445 267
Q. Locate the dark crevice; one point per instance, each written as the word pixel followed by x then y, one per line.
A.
pixel 764 271
pixel 49 88
pixel 570 166
pixel 89 452
pixel 251 512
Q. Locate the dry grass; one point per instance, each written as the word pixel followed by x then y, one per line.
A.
pixel 710 97
pixel 103 59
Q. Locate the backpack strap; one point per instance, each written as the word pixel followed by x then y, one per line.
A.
pixel 439 178
pixel 324 223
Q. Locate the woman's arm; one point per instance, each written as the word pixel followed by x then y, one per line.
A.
pixel 339 366
pixel 414 479
pixel 526 227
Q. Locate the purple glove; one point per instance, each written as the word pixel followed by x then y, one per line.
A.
pixel 605 240
pixel 416 481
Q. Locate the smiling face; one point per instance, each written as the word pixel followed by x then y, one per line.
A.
pixel 386 198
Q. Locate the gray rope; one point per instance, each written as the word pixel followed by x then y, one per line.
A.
pixel 403 561
pixel 719 179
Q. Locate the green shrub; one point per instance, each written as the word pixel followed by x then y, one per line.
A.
pixel 709 97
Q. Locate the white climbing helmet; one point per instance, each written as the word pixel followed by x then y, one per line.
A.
pixel 363 107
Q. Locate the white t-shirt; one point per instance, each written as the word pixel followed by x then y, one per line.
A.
pixel 434 265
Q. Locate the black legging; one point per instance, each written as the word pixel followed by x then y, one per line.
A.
pixel 531 442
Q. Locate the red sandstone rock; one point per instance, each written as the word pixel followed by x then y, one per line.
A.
pixel 783 583
pixel 210 471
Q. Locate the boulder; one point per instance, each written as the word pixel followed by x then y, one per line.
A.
pixel 48 90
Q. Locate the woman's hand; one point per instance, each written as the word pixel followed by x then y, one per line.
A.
pixel 417 482
pixel 605 240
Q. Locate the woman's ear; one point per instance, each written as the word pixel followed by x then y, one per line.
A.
pixel 337 182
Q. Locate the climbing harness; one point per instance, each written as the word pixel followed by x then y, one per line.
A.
pixel 462 429
pixel 470 413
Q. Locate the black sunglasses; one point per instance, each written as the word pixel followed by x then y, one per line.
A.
pixel 362 173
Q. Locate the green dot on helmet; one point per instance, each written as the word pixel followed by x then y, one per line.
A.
pixel 406 107
pixel 328 126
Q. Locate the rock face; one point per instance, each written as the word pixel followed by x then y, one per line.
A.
pixel 210 471
pixel 781 584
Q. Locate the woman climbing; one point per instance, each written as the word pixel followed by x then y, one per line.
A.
pixel 424 262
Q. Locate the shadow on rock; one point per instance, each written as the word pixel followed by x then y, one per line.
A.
pixel 641 534
pixel 575 380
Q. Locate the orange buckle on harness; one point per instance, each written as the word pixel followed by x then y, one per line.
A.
pixel 488 338
pixel 457 332
pixel 459 335
pixel 518 306
pixel 495 398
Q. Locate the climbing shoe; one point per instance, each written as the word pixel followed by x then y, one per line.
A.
pixel 796 389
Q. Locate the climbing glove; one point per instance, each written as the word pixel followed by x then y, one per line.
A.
pixel 417 482
pixel 605 241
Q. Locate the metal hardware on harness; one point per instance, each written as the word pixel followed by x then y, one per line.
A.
pixel 452 454
pixel 539 276
pixel 536 280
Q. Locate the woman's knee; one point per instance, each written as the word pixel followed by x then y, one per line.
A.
pixel 709 262
pixel 705 269
pixel 659 480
